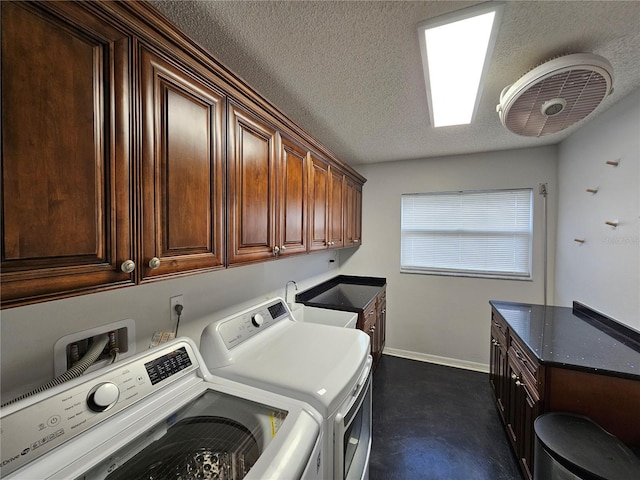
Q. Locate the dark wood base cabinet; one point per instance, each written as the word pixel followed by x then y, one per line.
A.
pixel 526 387
pixel 372 321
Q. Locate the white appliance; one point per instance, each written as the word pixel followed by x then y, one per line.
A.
pixel 159 415
pixel 325 366
pixel 324 316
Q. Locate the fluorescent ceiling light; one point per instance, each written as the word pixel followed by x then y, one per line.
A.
pixel 456 49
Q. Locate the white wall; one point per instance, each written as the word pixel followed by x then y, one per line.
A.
pixel 28 334
pixel 604 272
pixel 438 317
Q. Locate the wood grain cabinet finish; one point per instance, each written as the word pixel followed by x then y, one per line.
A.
pixel 336 208
pixel 66 183
pixel 381 321
pixel 268 191
pixel 129 154
pixel 372 321
pixel 353 214
pixel 514 379
pixel 252 187
pixel 292 226
pixel 498 367
pixel 319 204
pixel 333 207
pixel 525 388
pixel 182 169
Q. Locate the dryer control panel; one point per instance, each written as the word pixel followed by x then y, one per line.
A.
pixel 37 426
pixel 241 327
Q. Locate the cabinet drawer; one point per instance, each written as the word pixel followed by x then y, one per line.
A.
pixel 524 356
pixel 499 328
pixel 521 375
pixel 369 313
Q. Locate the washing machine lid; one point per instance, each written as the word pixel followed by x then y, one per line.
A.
pixel 318 364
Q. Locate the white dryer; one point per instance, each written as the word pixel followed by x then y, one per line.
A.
pixel 325 366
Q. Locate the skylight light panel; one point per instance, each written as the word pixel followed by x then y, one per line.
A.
pixel 456 50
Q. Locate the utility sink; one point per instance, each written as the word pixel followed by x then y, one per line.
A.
pixel 324 316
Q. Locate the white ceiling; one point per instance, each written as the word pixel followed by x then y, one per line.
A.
pixel 350 74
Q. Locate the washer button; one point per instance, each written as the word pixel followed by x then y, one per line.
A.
pixel 53 421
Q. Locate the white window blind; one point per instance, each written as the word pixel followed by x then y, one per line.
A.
pixel 475 233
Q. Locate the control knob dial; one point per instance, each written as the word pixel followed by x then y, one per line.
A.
pixel 103 396
pixel 257 320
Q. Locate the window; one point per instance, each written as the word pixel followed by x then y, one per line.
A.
pixel 474 233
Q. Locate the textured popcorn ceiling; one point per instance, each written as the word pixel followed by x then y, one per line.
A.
pixel 349 72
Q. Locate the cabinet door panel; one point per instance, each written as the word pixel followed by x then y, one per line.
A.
pixel 252 183
pixel 349 212
pixel 181 169
pixel 357 229
pixel 293 198
pixel 336 222
pixel 319 198
pixel 65 153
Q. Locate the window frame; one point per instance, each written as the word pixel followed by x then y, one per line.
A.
pixel 457 272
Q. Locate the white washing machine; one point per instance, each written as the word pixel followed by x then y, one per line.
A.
pixel 160 415
pixel 325 366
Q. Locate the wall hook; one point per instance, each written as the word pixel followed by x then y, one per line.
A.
pixel 579 240
pixel 613 163
pixel 592 190
pixel 613 223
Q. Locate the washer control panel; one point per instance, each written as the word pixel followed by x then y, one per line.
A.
pixel 37 428
pixel 245 325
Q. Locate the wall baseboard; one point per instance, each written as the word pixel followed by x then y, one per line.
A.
pixel 449 362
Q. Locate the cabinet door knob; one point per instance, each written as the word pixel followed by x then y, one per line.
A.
pixel 519 383
pixel 154 263
pixel 128 266
pixel 384 310
pixel 276 250
pixel 514 376
pixel 283 248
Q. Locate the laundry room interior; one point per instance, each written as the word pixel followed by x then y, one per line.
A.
pixel 212 178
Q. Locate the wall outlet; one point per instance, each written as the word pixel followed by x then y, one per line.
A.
pixel 173 315
pixel 126 339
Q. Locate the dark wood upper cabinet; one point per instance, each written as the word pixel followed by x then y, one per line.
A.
pixel 66 182
pixel 319 204
pixel 336 207
pixel 129 154
pixel 182 169
pixel 251 186
pixel 333 207
pixel 352 212
pixel 293 163
pixel 357 215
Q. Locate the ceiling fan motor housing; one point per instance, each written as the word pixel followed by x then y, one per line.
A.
pixel 555 95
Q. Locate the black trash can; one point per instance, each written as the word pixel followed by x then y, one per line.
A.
pixel 570 447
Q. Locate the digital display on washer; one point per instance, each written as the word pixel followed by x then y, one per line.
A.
pixel 163 367
pixel 276 310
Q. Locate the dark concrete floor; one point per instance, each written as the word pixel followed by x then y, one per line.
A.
pixel 432 422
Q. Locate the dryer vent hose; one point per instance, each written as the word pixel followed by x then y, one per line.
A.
pixel 99 342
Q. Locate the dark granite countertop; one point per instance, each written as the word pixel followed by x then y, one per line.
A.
pixel 344 292
pixel 577 338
